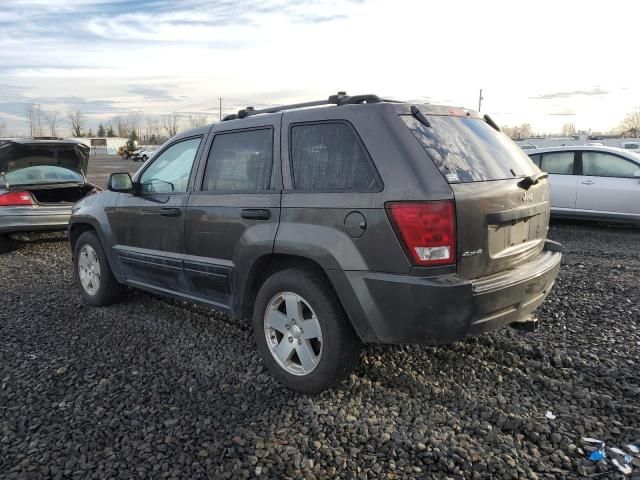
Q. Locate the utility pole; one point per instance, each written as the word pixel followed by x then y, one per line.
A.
pixel 220 107
pixel 480 98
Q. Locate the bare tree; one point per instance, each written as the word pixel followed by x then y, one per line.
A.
pixel 631 123
pixel 171 123
pixel 77 122
pixel 197 121
pixel 122 126
pixel 518 132
pixel 34 116
pixel 135 120
pixel 568 129
pixel 525 130
pixel 151 129
pixel 51 118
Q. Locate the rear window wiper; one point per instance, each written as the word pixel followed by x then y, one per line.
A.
pixel 421 117
pixel 530 180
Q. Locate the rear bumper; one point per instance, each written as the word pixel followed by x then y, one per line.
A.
pixel 32 219
pixel 387 308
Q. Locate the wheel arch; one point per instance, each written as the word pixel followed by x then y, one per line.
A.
pixel 85 224
pixel 267 265
pixel 77 229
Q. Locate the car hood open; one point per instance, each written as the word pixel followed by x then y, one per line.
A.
pixel 69 154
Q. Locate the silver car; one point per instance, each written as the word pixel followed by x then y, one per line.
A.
pixel 592 182
pixel 40 180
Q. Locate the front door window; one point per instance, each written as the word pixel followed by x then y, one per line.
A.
pixel 169 172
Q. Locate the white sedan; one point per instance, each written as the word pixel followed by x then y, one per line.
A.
pixel 592 182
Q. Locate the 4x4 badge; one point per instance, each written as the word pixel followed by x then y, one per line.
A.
pixel 527 197
pixel 472 253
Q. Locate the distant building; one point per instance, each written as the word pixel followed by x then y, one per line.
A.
pixel 103 145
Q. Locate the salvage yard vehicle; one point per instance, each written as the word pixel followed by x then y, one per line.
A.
pixel 141 155
pixel 128 149
pixel 358 220
pixel 592 182
pixel 40 180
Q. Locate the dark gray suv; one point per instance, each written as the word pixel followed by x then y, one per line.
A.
pixel 357 220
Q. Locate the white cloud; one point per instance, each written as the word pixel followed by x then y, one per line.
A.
pixel 277 51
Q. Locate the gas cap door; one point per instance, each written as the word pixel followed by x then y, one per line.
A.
pixel 355 224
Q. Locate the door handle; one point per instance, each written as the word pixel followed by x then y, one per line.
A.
pixel 170 212
pixel 588 182
pixel 255 213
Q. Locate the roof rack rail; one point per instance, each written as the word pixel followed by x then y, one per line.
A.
pixel 341 98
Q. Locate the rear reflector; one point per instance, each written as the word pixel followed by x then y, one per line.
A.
pixel 10 199
pixel 427 230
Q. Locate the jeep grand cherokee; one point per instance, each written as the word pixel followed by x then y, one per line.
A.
pixel 329 224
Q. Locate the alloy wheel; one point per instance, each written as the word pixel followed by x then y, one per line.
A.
pixel 293 333
pixel 89 269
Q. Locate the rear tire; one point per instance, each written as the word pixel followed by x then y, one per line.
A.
pixel 93 274
pixel 289 302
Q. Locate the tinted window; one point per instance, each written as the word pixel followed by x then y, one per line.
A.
pixel 468 150
pixel 169 172
pixel 601 164
pixel 560 163
pixel 240 161
pixel 535 159
pixel 329 156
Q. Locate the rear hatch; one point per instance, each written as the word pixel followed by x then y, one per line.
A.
pixel 502 219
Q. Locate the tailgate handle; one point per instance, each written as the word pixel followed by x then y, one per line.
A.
pixel 516 214
pixel 170 212
pixel 256 213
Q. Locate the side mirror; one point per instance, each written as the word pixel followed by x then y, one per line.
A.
pixel 120 182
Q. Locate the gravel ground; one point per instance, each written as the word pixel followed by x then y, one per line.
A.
pixel 154 389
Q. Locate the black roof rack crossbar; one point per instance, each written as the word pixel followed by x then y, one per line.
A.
pixel 340 99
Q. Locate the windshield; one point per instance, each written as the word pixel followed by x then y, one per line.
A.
pixel 469 150
pixel 41 174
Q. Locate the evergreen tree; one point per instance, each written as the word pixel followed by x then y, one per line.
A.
pixel 101 132
pixel 110 132
pixel 134 136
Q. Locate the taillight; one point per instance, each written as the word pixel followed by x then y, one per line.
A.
pixel 427 230
pixel 10 199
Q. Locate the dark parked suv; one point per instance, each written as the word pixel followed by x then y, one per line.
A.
pixel 361 220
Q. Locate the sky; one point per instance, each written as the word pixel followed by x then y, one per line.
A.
pixel 546 63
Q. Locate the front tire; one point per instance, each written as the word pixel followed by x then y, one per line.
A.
pixel 303 333
pixel 93 274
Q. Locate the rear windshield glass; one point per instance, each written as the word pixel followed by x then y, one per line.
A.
pixel 40 174
pixel 469 150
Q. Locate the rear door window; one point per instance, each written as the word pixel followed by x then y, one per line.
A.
pixel 240 161
pixel 600 164
pixel 467 149
pixel 559 163
pixel 330 156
